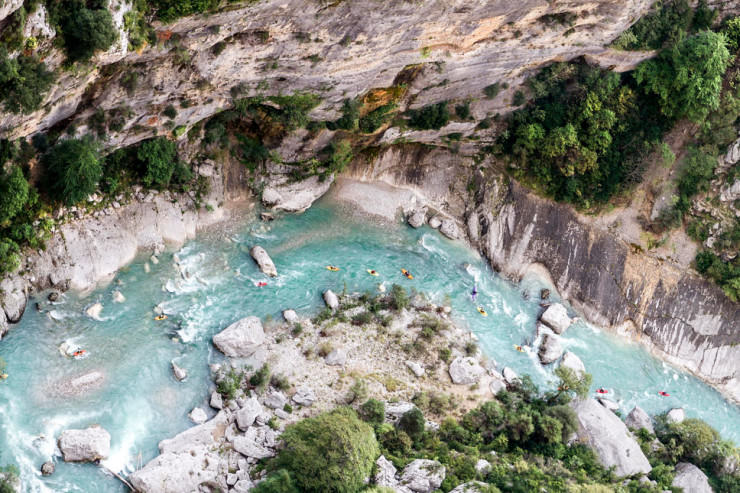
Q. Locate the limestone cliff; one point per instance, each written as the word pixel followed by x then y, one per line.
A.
pixel 338 50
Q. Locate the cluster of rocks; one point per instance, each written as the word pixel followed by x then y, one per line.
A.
pixel 447 225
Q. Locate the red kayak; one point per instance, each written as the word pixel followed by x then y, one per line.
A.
pixel 261 284
pixel 602 391
pixel 664 394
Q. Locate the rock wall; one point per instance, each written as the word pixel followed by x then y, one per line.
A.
pixel 91 247
pixel 338 50
pixel 682 317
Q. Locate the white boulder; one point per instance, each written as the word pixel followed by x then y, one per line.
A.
pixel 257 442
pixel 550 349
pixel 417 219
pixel 331 299
pixel 510 376
pixel 88 445
pixel 423 475
pixel 416 368
pixel 198 416
pixel 609 438
pixel 638 418
pixel 556 317
pixel 217 401
pixel 180 373
pixel 386 473
pixel 691 479
pixel 336 358
pixel 450 229
pixel 263 261
pixel 675 415
pixel 304 396
pixel 290 316
pixel 246 416
pixel 241 338
pixel 275 399
pixel 296 196
pixel 465 370
pixel 573 362
pixel 470 487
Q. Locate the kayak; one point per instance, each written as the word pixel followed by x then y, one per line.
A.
pixel 407 273
pixel 79 354
pixel 664 394
pixel 482 311
pixel 332 268
pixel 160 317
pixel 602 391
pixel 372 272
pixel 261 284
pixel 3 376
pixel 519 348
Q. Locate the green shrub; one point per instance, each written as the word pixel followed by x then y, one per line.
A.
pixel 431 117
pixel 518 99
pixel 332 453
pixel 731 30
pixel 169 10
pixel 376 118
pixel 667 24
pixel 373 411
pixel 24 81
pixel 573 383
pixel 13 194
pixel 350 116
pixel 412 423
pixel 159 158
pixel 492 90
pixel 170 111
pixel 463 110
pixel 9 475
pixel 399 298
pixel 72 170
pixel 230 384
pixel 84 30
pixel 687 79
pixel 278 482
pixel 10 258
pixel 341 156
pixel 261 377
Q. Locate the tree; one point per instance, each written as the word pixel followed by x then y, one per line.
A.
pixel 412 422
pixel 572 382
pixel 24 82
pixel 373 411
pixel 13 194
pixel 160 159
pixel 72 170
pixel 278 482
pixel 332 453
pixel 9 256
pixel 85 30
pixel 687 79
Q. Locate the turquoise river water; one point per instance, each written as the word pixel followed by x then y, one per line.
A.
pixel 140 403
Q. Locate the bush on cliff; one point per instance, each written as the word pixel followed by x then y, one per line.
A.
pixel 24 81
pixel 331 453
pixel 72 170
pixel 14 190
pixel 85 27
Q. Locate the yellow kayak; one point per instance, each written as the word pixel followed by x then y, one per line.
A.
pixel 407 273
pixel 482 311
pixel 332 268
pixel 160 317
pixel 519 348
pixel 372 272
pixel 3 376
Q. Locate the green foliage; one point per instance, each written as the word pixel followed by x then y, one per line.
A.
pixel 170 111
pixel 492 90
pixel 84 30
pixel 140 32
pixel 350 116
pixel 159 158
pixel 518 99
pixel 261 377
pixel 9 476
pixel 333 452
pixel 72 170
pixel 687 78
pixel 431 117
pixel 170 10
pixel 14 190
pixel 572 382
pixel 24 81
pixel 725 274
pixel 667 24
pixel 731 30
pixel 412 423
pixel 278 482
pixel 10 258
pixel 373 411
pixel 399 298
pixel 252 152
pixel 341 156
pixel 376 118
pixel 463 110
pixel 583 136
pixel 230 384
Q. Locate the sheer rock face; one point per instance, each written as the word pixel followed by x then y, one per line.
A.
pixel 354 46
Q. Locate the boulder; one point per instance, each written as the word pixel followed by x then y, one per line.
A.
pixel 482 466
pixel 94 310
pixel 675 415
pixel 177 472
pixel 13 297
pixel 257 442
pixel 290 316
pixel 608 403
pixel 217 401
pixel 180 373
pixel 510 376
pixel 638 418
pixel 497 385
pixel 275 399
pixel 435 222
pixel 386 473
pixel 263 261
pixel 304 396
pixel 88 445
pixel 198 416
pixel 416 368
pixel 450 229
pixel 243 486
pixel 544 294
pixel 466 370
pixel 47 468
pixel 246 416
pixel 573 362
pixel 556 317
pixel 394 410
pixel 336 358
pixel 295 196
pixel 118 297
pixel 609 438
pixel 417 219
pixel 733 153
pixel 331 299
pixel 550 349
pixel 423 475
pixel 470 487
pixel 691 479
pixel 241 338
pixel 53 297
